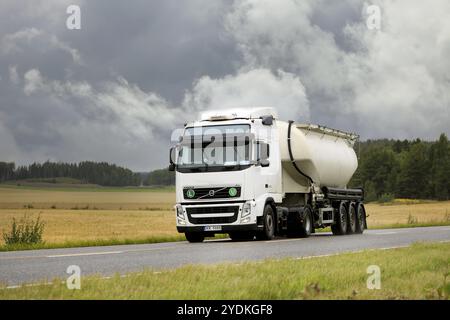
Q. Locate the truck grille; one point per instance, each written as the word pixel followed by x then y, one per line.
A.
pixel 211 193
pixel 212 210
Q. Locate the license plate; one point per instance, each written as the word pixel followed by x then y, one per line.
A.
pixel 212 228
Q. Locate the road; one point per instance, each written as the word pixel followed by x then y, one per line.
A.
pixel 20 267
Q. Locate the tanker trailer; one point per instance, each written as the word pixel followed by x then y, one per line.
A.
pixel 249 174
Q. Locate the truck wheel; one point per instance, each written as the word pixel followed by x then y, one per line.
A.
pixel 351 227
pixel 298 226
pixel 194 236
pixel 241 236
pixel 340 226
pixel 269 224
pixel 360 218
pixel 307 226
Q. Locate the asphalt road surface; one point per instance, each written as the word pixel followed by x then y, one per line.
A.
pixel 20 267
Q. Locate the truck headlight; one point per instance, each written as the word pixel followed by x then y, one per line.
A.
pixel 246 209
pixel 179 210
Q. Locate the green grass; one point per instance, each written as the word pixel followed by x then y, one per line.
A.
pixel 420 271
pixel 100 242
pixel 92 243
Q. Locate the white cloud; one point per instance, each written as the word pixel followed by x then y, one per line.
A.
pixel 116 104
pixel 254 88
pixel 392 83
pixel 14 42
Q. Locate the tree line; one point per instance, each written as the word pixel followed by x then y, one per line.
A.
pixel 404 169
pixel 100 173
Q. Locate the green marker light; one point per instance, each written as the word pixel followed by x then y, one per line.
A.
pixel 190 193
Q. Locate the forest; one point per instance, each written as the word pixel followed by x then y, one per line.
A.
pixel 403 169
pixel 100 173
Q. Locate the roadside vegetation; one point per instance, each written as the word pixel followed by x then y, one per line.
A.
pixel 420 271
pixel 24 232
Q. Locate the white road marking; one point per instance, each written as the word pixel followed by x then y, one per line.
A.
pixel 86 253
pixel 383 233
pixel 282 240
pixel 83 254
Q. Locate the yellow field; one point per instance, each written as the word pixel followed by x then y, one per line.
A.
pixel 399 213
pixel 17 198
pixel 104 215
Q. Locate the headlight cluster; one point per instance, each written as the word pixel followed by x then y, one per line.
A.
pixel 246 209
pixel 180 214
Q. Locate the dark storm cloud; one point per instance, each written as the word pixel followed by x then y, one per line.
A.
pixel 115 89
pixel 161 46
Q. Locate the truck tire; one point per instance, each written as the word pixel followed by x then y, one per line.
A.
pixel 300 225
pixel 194 236
pixel 360 218
pixel 340 226
pixel 307 225
pixel 241 236
pixel 351 218
pixel 268 232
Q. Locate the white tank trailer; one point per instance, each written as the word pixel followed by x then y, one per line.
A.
pixel 249 174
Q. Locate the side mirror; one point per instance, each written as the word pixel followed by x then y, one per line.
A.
pixel 172 159
pixel 267 120
pixel 264 162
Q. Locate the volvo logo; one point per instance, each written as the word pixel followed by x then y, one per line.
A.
pixel 211 193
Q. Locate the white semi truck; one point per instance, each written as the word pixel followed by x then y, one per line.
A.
pixel 246 173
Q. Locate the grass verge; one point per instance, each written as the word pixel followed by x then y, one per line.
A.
pixel 420 271
pixel 100 242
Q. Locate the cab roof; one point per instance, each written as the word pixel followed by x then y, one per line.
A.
pixel 238 113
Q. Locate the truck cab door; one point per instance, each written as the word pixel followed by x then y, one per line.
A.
pixel 268 163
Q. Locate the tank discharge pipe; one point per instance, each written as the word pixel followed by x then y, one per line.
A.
pixel 292 157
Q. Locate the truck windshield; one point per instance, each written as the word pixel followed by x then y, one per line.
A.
pixel 215 148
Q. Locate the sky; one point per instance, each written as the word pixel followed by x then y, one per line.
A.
pixel 115 89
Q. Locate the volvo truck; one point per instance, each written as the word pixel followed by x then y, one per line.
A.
pixel 249 174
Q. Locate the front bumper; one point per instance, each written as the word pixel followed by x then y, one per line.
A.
pixel 225 228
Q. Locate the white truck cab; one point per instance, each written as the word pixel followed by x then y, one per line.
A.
pixel 246 173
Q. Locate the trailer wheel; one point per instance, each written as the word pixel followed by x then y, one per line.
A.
pixel 360 218
pixel 351 227
pixel 269 224
pixel 307 226
pixel 340 226
pixel 194 236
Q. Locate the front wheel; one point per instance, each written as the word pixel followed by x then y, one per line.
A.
pixel 269 224
pixel 194 236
